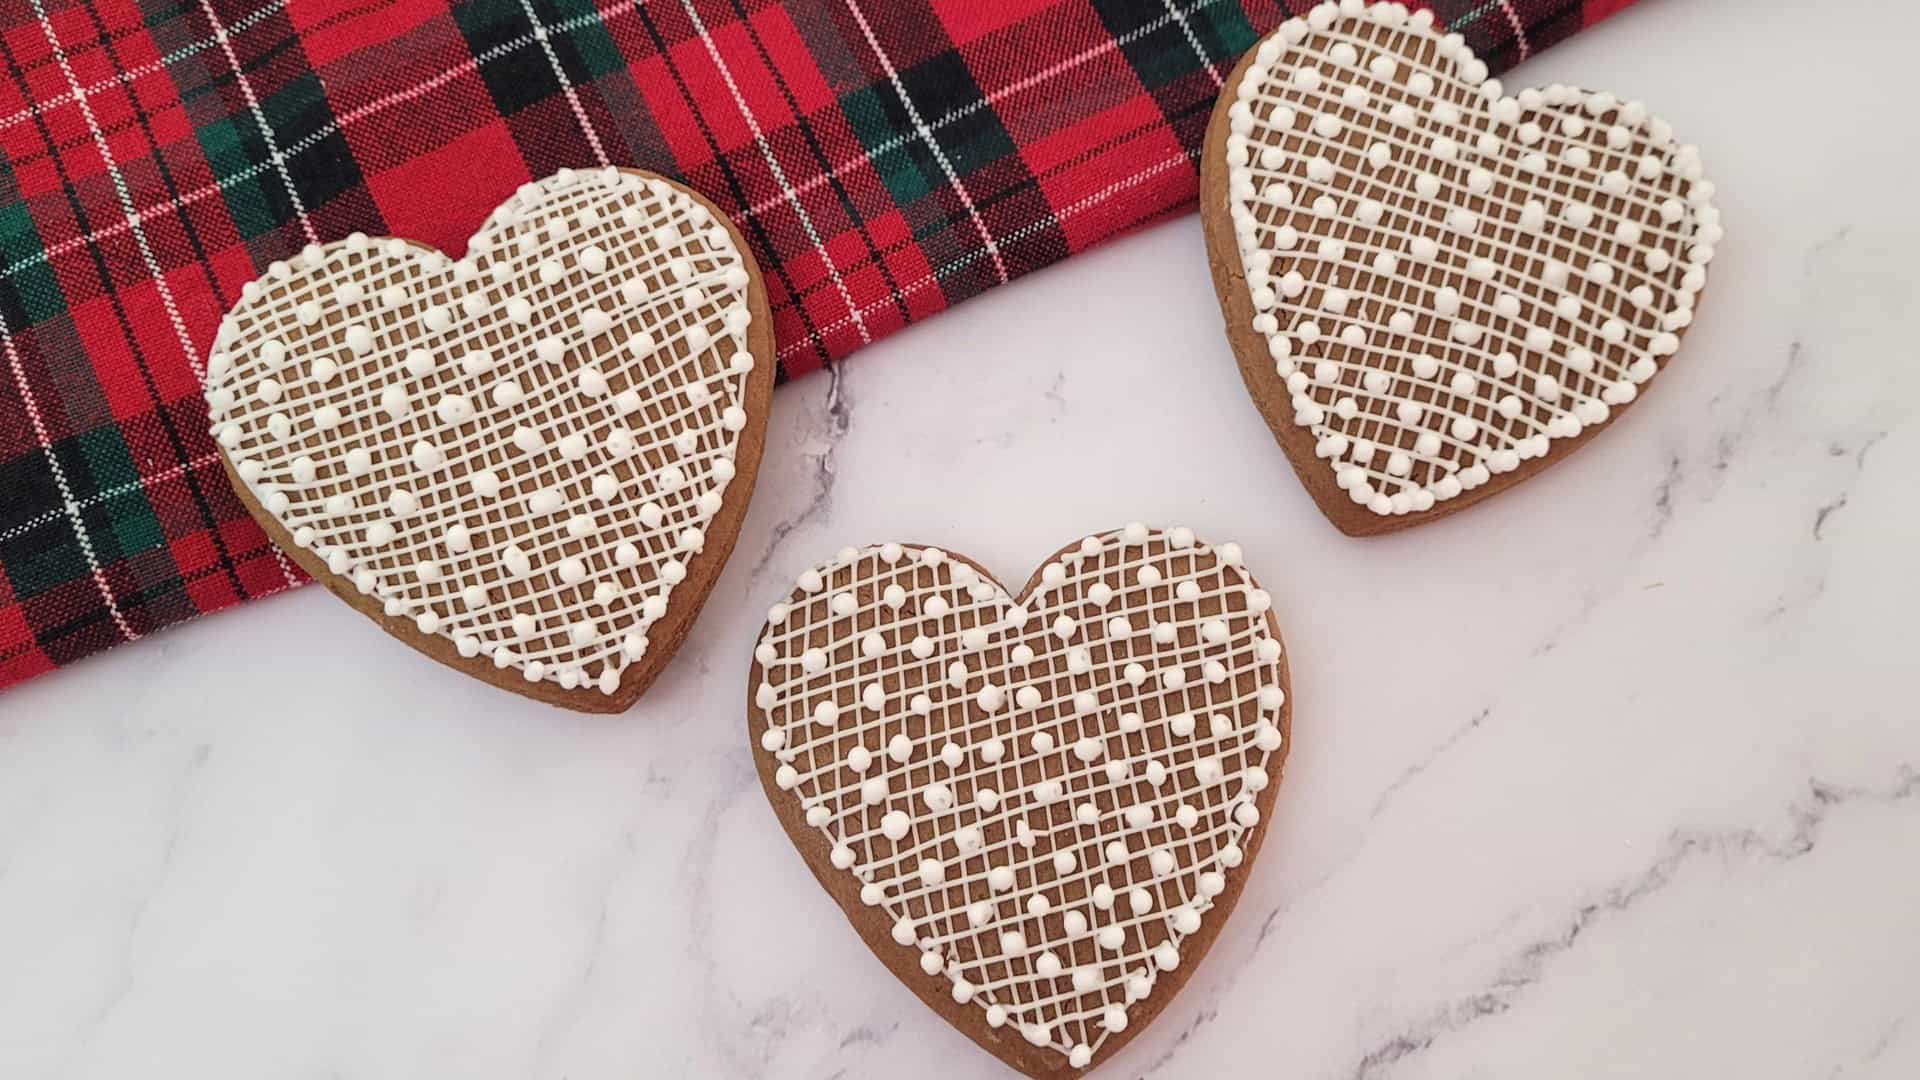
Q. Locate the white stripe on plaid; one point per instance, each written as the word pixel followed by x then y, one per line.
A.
pixel 266 131
pixel 120 190
pixel 159 276
pixel 127 76
pixel 920 126
pixel 22 528
pixel 985 100
pixel 542 35
pixel 67 502
pixel 294 149
pixel 1519 28
pixel 855 313
pixel 779 174
pixel 1193 42
pixel 990 98
pixel 935 275
pixel 512 45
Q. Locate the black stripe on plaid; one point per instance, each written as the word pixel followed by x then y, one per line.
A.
pixel 909 155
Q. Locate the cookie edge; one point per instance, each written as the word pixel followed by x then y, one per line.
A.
pixel 689 596
pixel 876 930
pixel 1269 394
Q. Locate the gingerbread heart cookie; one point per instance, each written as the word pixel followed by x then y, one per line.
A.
pixel 1435 289
pixel 529 462
pixel 1037 811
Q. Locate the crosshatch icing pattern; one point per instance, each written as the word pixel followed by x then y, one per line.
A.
pixel 517 450
pixel 1450 278
pixel 1044 797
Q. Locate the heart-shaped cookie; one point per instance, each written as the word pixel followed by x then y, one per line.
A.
pixel 528 463
pixel 1039 811
pixel 1435 289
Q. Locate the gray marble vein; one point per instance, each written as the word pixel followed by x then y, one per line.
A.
pixel 1616 776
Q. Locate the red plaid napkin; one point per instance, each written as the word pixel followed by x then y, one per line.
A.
pixel 886 159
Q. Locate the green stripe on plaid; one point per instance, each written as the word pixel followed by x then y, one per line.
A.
pixel 885 158
pixel 35 295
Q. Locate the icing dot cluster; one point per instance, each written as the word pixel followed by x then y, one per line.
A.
pixel 1450 278
pixel 518 450
pixel 1043 797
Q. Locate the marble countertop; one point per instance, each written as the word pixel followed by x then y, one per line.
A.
pixel 1616 775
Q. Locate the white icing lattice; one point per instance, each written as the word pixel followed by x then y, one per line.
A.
pixel 518 450
pixel 1044 798
pixel 1448 278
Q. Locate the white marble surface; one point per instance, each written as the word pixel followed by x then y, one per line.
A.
pixel 1616 775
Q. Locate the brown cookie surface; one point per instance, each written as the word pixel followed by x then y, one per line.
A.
pixel 529 463
pixel 1435 289
pixel 1037 811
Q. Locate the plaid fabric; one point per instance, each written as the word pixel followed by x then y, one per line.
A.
pixel 886 159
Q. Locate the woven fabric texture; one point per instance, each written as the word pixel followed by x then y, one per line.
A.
pixel 885 158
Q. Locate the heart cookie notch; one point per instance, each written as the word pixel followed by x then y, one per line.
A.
pixel 529 462
pixel 1435 289
pixel 1037 811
